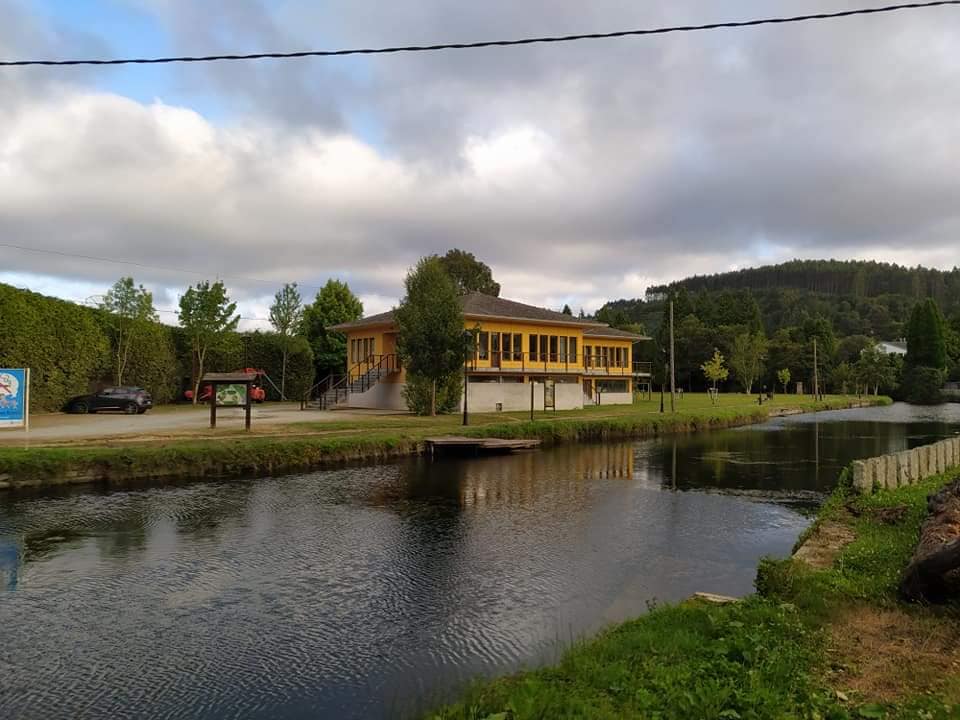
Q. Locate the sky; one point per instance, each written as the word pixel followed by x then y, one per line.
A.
pixel 579 172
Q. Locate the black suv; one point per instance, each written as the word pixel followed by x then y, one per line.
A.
pixel 132 400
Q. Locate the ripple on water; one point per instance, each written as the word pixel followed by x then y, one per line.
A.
pixel 352 593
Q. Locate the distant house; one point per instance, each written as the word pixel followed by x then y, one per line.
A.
pixel 574 361
pixel 893 347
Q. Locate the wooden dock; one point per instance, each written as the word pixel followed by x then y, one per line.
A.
pixel 454 444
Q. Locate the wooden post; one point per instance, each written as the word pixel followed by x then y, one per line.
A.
pixel 247 410
pixel 213 405
pixel 26 401
pixel 673 377
pixel 532 384
pixel 816 376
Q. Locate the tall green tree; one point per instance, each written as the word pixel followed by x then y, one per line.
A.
pixel 715 371
pixel 783 377
pixel 874 369
pixel 843 376
pixel 746 358
pixel 130 311
pixel 430 329
pixel 286 316
pixel 469 274
pixel 926 340
pixel 206 315
pixel 334 304
pixel 567 311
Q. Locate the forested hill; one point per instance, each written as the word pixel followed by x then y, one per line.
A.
pixel 857 297
pixel 854 278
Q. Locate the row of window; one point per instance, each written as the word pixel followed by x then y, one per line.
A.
pixel 508 347
pixel 540 348
pixel 604 356
pixel 362 348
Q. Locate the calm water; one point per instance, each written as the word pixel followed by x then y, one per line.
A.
pixel 367 592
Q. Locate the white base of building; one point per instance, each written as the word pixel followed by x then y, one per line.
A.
pixel 382 396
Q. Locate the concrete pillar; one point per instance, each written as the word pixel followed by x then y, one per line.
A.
pixel 890 480
pixel 903 469
pixel 861 483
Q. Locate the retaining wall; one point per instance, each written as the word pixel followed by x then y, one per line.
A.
pixel 906 468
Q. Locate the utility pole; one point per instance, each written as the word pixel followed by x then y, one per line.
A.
pixel 816 376
pixel 673 378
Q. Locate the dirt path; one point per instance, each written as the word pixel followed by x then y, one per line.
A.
pixel 164 423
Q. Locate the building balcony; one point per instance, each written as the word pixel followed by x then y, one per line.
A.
pixel 504 363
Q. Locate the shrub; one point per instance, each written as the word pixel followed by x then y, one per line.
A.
pixel 418 389
pixel 923 385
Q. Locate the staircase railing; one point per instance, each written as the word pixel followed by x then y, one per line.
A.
pixel 361 377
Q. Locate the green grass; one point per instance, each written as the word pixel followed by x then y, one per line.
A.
pixel 306 445
pixel 765 657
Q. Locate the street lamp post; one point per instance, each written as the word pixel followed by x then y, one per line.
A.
pixel 663 379
pixel 467 337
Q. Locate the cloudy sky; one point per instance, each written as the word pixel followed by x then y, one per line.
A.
pixel 579 172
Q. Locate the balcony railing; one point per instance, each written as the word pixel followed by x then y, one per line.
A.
pixel 573 363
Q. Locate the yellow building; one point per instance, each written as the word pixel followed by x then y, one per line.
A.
pixel 570 361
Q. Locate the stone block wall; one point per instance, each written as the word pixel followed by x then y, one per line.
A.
pixel 906 468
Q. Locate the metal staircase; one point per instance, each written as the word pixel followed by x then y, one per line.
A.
pixel 334 390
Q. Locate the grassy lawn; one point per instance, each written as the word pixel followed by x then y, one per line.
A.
pixel 310 444
pixel 810 644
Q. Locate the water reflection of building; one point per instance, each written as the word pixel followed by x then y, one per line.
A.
pixel 525 477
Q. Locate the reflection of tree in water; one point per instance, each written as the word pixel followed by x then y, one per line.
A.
pixel 798 456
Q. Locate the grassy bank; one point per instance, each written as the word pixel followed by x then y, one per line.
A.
pixel 833 643
pixel 307 445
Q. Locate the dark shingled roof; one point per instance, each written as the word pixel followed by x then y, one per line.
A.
pixel 480 305
pixel 609 332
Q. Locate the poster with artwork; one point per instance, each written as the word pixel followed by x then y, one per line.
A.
pixel 13 397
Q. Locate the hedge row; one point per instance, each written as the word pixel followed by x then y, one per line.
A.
pixel 69 352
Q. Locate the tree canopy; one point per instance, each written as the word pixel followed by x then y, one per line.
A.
pixel 334 304
pixel 926 339
pixel 130 311
pixel 468 273
pixel 286 316
pixel 430 327
pixel 206 315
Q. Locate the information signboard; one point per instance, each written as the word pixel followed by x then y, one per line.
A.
pixel 231 395
pixel 14 397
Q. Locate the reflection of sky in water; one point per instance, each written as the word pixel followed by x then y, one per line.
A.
pixel 349 593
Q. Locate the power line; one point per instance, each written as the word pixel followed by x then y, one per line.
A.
pixel 487 43
pixel 133 263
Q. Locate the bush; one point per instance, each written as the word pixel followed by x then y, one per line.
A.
pixel 923 385
pixel 418 389
pixel 61 343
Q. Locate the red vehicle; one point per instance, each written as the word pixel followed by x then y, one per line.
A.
pixel 257 393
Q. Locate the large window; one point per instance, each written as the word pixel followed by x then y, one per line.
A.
pixel 572 350
pixel 553 348
pixel 544 353
pixel 534 344
pixel 507 346
pixel 517 347
pixel 587 359
pixel 495 349
pixel 483 345
pixel 613 386
pixel 563 349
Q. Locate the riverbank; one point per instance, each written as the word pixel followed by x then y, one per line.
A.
pixel 827 643
pixel 309 444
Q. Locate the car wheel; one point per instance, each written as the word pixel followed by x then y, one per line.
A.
pixel 131 408
pixel 79 408
pixel 141 411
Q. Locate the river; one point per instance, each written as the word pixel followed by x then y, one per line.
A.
pixel 379 591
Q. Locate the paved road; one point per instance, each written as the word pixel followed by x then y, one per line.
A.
pixel 166 420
